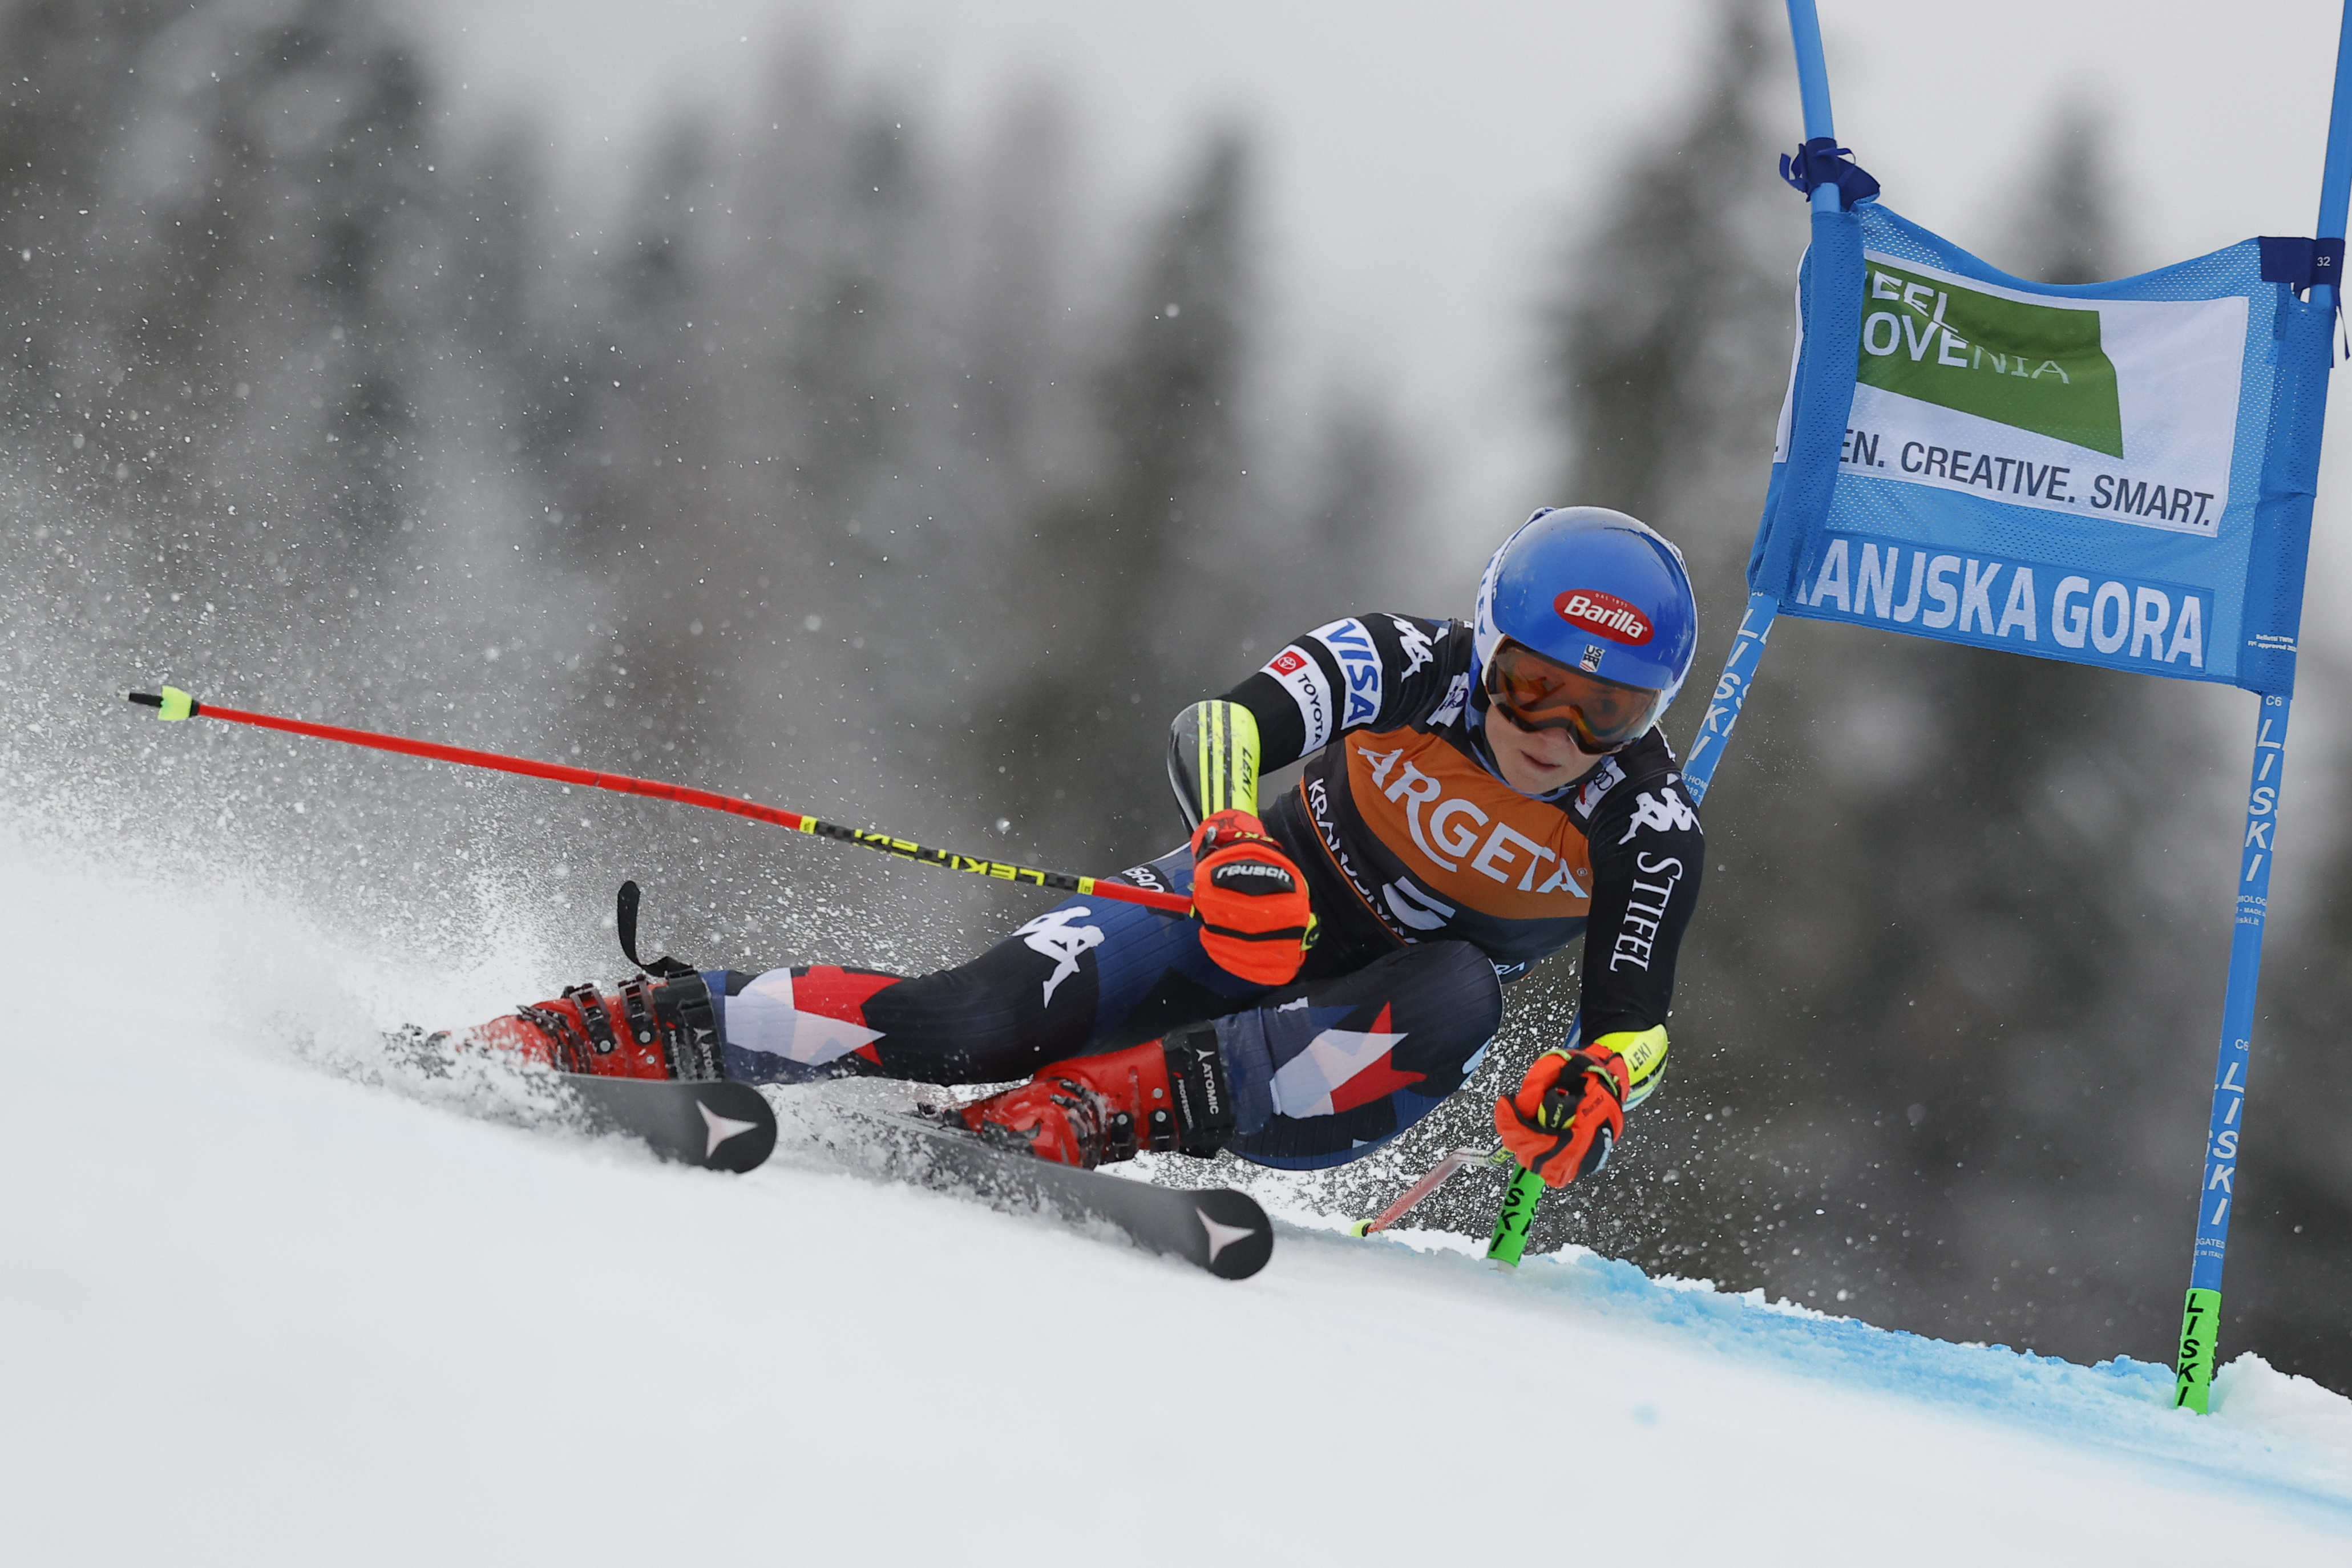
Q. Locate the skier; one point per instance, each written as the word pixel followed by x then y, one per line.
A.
pixel 1477 796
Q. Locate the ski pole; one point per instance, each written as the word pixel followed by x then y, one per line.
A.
pixel 174 703
pixel 1513 1221
pixel 1525 1192
pixel 1413 1197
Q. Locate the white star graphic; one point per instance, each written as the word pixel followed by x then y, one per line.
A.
pixel 761 1017
pixel 723 1128
pixel 1303 1086
pixel 1220 1236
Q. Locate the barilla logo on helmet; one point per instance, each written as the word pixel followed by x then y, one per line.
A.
pixel 1603 614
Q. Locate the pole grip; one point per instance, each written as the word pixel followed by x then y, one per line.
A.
pixel 1517 1218
pixel 170 702
pixel 2201 1330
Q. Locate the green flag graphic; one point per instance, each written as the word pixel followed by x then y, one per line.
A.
pixel 2036 367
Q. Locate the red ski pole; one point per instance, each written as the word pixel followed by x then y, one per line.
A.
pixel 174 703
pixel 1439 1173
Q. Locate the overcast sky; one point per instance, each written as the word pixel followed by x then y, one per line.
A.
pixel 1421 159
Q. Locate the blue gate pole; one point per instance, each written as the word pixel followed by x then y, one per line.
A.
pixel 1813 86
pixel 1738 677
pixel 2336 176
pixel 2201 1320
pixel 1812 68
pixel 2201 1317
pixel 1731 695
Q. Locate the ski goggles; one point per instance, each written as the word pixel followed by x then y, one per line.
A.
pixel 1536 693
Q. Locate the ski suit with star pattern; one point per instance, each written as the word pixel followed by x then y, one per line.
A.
pixel 1434 882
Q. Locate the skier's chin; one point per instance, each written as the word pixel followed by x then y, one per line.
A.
pixel 1536 776
pixel 1534 762
pixel 1531 771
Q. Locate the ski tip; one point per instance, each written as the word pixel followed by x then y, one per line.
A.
pixel 714 1123
pixel 1238 1236
pixel 739 1143
pixel 1361 1228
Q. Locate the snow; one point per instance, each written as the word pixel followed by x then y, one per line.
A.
pixel 261 1302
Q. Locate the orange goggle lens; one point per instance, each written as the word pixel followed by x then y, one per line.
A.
pixel 1537 693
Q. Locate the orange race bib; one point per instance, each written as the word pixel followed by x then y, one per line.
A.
pixel 1463 834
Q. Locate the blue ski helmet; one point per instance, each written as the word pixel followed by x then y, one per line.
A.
pixel 1593 590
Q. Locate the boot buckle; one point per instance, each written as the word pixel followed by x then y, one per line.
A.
pixel 591 1014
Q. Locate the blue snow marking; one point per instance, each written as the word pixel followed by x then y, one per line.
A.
pixel 2121 1405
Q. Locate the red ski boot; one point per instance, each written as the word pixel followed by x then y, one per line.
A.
pixel 647 1028
pixel 1161 1095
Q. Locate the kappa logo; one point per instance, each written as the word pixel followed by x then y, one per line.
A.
pixel 1664 813
pixel 1053 935
pixel 1413 641
pixel 1351 643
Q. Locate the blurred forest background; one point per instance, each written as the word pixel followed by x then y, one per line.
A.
pixel 904 482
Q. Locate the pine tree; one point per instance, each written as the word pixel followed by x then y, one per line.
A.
pixel 1131 600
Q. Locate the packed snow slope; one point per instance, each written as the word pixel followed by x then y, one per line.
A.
pixel 261 1302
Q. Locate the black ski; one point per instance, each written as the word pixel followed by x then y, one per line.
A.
pixel 1215 1228
pixel 714 1123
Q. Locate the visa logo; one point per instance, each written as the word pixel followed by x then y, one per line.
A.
pixel 1351 643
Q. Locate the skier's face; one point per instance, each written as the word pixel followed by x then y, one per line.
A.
pixel 1541 693
pixel 1534 762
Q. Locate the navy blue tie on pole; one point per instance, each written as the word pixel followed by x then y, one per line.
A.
pixel 2119 474
pixel 1821 160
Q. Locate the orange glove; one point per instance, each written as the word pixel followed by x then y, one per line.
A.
pixel 1251 900
pixel 1568 1115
